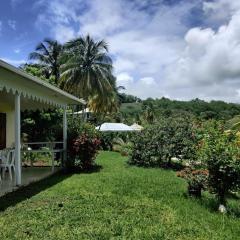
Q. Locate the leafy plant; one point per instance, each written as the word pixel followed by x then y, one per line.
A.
pixel 84 150
pixel 221 154
pixel 121 146
pixel 196 179
pixel 47 54
pixel 156 145
pixel 83 145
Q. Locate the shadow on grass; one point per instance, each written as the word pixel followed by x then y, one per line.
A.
pixel 25 192
pixel 211 204
pixel 92 169
pixel 175 166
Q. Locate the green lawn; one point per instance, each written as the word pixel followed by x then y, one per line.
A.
pixel 119 202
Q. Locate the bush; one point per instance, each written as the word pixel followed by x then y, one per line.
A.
pixel 147 148
pixel 156 145
pixel 221 154
pixel 83 146
pixel 196 179
pixel 124 148
pixel 108 138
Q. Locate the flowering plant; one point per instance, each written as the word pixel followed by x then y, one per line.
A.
pixel 85 149
pixel 196 179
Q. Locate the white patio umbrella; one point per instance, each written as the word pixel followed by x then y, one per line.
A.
pixel 114 127
pixel 136 127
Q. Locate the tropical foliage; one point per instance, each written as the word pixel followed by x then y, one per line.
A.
pixel 156 145
pixel 220 153
pixel 197 180
pixel 87 68
pixel 48 55
pixel 146 110
pixel 83 145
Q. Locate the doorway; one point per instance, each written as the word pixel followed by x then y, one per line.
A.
pixel 3 122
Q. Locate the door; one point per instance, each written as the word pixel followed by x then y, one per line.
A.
pixel 2 130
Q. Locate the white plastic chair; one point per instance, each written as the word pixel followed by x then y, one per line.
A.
pixel 8 162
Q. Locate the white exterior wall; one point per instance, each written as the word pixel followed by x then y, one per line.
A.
pixel 10 138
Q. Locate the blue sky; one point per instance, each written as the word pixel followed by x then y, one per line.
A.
pixel 180 49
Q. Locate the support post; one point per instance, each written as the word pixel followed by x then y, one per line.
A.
pixel 64 135
pixel 18 164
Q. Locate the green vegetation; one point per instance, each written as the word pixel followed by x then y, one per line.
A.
pixel 164 108
pixel 83 145
pixel 82 67
pixel 157 144
pixel 220 152
pixel 48 54
pixel 212 155
pixel 119 202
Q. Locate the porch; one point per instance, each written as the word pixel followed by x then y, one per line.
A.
pixel 18 92
pixel 29 175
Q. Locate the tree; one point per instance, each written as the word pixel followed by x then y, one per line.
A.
pixel 48 55
pixel 221 154
pixel 87 70
pixel 108 104
pixel 158 143
pixel 36 70
pixel 149 115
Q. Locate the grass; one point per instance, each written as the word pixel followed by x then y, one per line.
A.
pixel 119 202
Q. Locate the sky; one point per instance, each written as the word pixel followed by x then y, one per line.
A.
pixel 180 49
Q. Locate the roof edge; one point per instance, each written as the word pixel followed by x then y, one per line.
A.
pixel 39 81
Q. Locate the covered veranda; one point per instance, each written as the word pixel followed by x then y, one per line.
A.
pixel 20 91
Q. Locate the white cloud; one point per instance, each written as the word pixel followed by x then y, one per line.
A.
pixel 12 24
pixel 14 61
pixel 144 87
pixel 148 81
pixel 209 67
pixel 155 51
pixel 17 50
pixel 219 11
pixel 124 79
pixel 63 33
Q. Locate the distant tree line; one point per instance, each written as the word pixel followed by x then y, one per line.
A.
pixel 151 110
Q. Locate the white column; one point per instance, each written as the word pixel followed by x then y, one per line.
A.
pixel 18 163
pixel 65 135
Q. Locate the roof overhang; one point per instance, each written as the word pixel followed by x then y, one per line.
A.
pixel 14 80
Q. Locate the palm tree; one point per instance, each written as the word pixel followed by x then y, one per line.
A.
pixel 104 105
pixel 88 68
pixel 48 55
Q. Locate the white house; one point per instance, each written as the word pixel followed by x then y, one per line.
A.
pixel 20 91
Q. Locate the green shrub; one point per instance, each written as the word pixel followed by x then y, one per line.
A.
pixel 156 145
pixel 196 179
pixel 119 145
pixel 221 154
pixel 147 147
pixel 108 138
pixel 83 146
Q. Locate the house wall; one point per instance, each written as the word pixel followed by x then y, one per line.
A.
pixel 10 126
